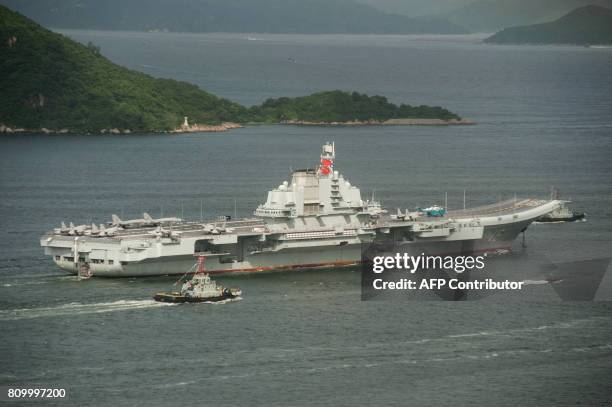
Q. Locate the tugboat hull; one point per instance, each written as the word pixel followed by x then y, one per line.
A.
pixel 573 218
pixel 176 297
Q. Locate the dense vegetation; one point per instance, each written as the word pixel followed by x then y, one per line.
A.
pixel 50 81
pixel 271 16
pixel 583 26
pixel 338 106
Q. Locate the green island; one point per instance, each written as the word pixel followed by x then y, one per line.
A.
pixel 337 106
pixel 51 83
pixel 588 25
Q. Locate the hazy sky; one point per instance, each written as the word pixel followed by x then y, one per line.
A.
pixel 417 7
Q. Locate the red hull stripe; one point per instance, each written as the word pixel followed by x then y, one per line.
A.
pixel 286 267
pixel 330 264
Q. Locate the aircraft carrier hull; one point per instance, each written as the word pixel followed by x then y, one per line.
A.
pixel 495 239
pixel 289 259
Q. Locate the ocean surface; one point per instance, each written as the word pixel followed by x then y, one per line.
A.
pixel 544 118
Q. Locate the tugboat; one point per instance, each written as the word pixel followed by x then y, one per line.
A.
pixel 201 288
pixel 562 214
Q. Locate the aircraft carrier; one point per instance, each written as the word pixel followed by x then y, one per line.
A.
pixel 317 219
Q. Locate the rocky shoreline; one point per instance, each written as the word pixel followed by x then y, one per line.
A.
pixel 196 128
pixel 188 129
pixel 227 126
pixel 390 122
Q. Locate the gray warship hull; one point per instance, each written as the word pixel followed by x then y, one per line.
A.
pixel 328 252
pixel 317 221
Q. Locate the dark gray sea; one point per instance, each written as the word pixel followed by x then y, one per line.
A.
pixel 544 118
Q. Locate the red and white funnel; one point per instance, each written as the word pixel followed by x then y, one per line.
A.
pixel 327 159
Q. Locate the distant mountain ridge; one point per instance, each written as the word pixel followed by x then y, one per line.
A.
pixel 494 15
pixel 247 16
pixel 589 25
pixel 414 8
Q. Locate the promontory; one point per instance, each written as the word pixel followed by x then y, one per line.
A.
pixel 589 25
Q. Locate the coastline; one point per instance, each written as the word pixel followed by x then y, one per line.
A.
pixel 227 126
pixel 390 122
pixel 196 128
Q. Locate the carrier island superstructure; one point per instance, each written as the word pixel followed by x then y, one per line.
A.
pixel 317 219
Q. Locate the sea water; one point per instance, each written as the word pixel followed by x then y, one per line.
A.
pixel 544 118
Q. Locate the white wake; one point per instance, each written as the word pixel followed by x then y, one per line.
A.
pixel 76 308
